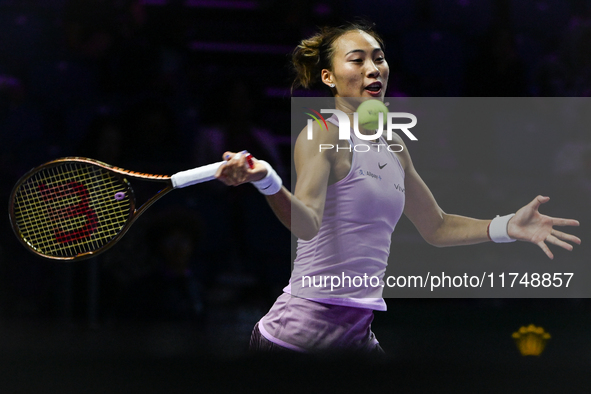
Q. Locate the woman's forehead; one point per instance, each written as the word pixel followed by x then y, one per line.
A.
pixel 354 40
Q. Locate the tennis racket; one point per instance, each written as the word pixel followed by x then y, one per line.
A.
pixel 75 208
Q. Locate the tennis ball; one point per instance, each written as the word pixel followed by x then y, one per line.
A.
pixel 369 112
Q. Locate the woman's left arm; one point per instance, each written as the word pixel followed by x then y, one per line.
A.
pixel 441 229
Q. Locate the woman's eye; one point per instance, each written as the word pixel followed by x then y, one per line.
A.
pixel 379 59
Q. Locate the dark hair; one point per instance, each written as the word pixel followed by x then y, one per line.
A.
pixel 316 53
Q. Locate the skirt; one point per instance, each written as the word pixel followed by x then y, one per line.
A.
pixel 300 325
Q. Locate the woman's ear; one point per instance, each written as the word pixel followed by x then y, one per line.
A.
pixel 327 78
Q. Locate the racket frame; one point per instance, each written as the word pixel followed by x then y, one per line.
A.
pixel 120 173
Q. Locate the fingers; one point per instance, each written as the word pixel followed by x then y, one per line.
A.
pixel 539 200
pixel 235 170
pixel 228 155
pixel 565 237
pixel 564 222
pixel 234 155
pixel 555 241
pixel 560 239
pixel 546 250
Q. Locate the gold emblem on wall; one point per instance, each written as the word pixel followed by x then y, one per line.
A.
pixel 531 340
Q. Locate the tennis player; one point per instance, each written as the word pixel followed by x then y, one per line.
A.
pixel 335 205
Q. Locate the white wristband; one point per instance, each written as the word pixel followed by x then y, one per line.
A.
pixel 497 229
pixel 270 184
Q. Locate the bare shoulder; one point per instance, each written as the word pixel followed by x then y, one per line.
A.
pixel 404 154
pixel 310 145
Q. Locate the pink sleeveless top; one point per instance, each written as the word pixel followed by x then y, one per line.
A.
pixel 344 264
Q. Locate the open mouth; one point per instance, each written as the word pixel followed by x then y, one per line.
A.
pixel 374 88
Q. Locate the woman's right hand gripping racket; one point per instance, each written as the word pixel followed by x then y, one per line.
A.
pixel 75 208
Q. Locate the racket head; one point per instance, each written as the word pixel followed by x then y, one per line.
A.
pixel 71 208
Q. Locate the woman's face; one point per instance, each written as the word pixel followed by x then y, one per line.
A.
pixel 359 68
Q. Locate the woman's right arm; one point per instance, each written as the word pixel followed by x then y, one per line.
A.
pixel 301 212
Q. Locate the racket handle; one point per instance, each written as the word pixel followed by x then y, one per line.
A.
pixel 196 175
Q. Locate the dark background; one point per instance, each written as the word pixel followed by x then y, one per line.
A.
pixel 163 85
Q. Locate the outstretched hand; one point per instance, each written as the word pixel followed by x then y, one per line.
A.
pixel 530 225
pixel 236 171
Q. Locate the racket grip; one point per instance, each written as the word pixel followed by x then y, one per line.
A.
pixel 196 175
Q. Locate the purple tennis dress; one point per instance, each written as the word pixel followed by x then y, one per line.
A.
pixel 337 279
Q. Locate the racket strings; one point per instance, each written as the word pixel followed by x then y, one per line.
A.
pixel 71 208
